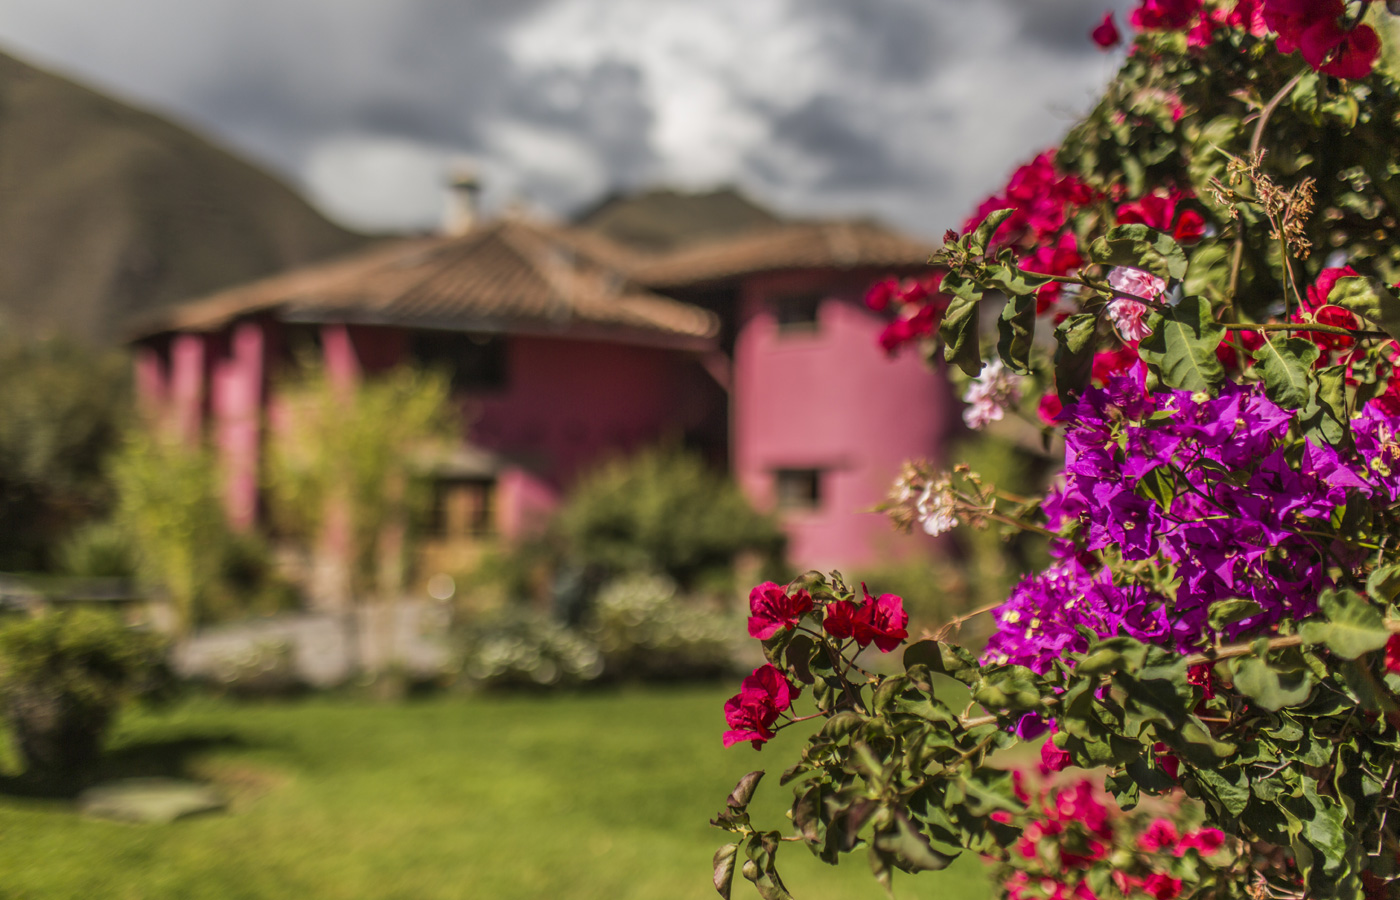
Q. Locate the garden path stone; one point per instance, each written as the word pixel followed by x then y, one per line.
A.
pixel 148 800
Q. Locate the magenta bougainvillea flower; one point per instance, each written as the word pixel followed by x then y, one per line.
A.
pixel 752 712
pixel 879 620
pixel 1106 35
pixel 772 609
pixel 1315 29
pixel 1245 536
pixel 1161 833
pixel 1205 842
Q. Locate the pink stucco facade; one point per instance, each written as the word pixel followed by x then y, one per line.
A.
pixel 823 397
pixel 565 405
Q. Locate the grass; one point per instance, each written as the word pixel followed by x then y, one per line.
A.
pixel 601 795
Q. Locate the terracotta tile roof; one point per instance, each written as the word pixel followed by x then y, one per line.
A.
pixel 797 245
pixel 511 275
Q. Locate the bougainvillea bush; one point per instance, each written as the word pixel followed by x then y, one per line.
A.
pixel 1193 298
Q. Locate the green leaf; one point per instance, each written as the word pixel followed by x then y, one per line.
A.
pixel 799 658
pixel 1384 584
pixel 1016 328
pixel 1353 626
pixel 1286 364
pixel 945 659
pixel 987 229
pixel 1159 486
pixel 1325 417
pixel 1369 298
pixel 1228 612
pixel 961 323
pixel 1075 342
pixel 911 848
pixel 1181 347
pixel 1140 247
pixel 724 869
pixel 1269 687
pixel 743 791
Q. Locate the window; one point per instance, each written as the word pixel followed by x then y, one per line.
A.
pixel 476 362
pixel 797 312
pixel 463 507
pixel 798 488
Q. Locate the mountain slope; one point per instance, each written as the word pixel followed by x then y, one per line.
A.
pixel 106 211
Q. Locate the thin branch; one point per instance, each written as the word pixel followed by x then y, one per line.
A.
pixel 1303 326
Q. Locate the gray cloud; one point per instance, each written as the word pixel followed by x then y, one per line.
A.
pixel 911 109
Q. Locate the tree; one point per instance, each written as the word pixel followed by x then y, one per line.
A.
pixel 1194 299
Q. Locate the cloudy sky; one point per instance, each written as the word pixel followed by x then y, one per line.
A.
pixel 910 110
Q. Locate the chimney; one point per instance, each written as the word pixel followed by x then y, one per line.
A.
pixel 463 192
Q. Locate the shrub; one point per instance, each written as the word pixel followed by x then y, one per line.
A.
pixel 664 511
pixel 646 630
pixel 63 676
pixel 61 410
pixel 516 648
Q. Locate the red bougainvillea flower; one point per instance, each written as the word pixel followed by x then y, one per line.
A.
pixel 1160 886
pixel 1049 409
pixel 752 712
pixel 1165 15
pixel 773 609
pixel 1052 758
pixel 1106 35
pixel 1237 349
pixel 1206 841
pixel 1161 833
pixel 1164 212
pixel 1314 28
pixel 1316 309
pixel 1392 654
pixel 881 621
pixel 881 293
pixel 1201 677
pixel 840 621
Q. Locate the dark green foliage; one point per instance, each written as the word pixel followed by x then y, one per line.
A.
pixel 662 511
pixel 61 410
pixel 63 675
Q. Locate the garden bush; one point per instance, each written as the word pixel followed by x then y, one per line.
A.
pixel 647 631
pixel 64 675
pixel 1193 297
pixel 663 511
pixel 519 648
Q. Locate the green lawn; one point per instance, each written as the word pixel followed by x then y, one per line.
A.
pixel 602 795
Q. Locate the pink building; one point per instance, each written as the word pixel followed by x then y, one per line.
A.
pixel 567 347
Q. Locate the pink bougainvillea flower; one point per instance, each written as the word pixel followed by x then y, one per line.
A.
pixel 773 609
pixel 752 712
pixel 1316 309
pixel 1206 841
pixel 1106 35
pixel 881 620
pixel 1049 409
pixel 1161 833
pixel 1128 315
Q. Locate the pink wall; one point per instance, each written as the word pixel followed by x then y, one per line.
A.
pixel 830 399
pixel 570 404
